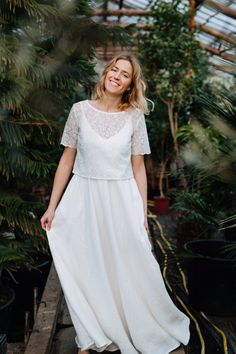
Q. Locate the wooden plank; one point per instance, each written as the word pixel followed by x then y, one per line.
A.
pixel 64 341
pixel 45 324
pixel 64 318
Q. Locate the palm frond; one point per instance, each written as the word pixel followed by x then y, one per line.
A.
pixel 9 255
pixel 23 162
pixel 197 209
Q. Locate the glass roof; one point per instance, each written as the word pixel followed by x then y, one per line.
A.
pixel 218 35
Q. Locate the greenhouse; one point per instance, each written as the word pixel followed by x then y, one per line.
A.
pixel 118 170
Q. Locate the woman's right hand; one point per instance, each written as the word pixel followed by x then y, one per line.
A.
pixel 46 219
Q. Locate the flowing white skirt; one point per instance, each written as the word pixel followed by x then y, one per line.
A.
pixel 111 281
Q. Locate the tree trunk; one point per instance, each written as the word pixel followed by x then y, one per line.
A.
pixel 161 177
pixel 174 127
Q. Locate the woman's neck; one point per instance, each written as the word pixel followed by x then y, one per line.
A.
pixel 109 103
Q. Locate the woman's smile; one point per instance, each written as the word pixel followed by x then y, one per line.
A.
pixel 114 83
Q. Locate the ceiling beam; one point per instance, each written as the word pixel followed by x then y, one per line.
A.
pixel 127 12
pixel 121 12
pixel 213 32
pixel 130 12
pixel 226 10
pixel 111 51
pixel 224 68
pixel 215 51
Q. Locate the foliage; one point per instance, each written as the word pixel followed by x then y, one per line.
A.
pixel 46 63
pixel 162 147
pixel 212 145
pixel 199 212
pixel 12 252
pixel 209 153
pixel 174 64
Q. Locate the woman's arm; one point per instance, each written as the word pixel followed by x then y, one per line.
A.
pixel 60 180
pixel 140 176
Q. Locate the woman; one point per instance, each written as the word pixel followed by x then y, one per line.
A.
pixel 98 232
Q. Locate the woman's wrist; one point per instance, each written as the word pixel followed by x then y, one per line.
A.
pixel 145 211
pixel 51 208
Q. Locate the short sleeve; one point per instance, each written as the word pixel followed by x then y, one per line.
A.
pixel 140 143
pixel 70 134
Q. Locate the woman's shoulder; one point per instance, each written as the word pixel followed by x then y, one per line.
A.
pixel 77 107
pixel 78 104
pixel 135 112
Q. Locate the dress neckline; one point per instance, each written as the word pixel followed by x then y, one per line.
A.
pixel 100 111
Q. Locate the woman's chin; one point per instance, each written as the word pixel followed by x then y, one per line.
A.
pixel 113 91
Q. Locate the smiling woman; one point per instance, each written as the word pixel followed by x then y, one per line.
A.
pixel 122 80
pixel 98 230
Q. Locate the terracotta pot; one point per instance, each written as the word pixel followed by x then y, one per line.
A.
pixel 162 205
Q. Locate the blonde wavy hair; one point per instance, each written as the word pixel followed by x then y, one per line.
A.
pixel 135 97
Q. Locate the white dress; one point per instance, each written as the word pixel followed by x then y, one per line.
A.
pixel 111 281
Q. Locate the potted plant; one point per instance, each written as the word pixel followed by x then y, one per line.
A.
pixel 210 271
pixel 166 151
pixel 228 225
pixel 11 252
pixel 211 277
pixel 210 153
pixel 162 153
pixel 198 215
pixel 27 259
pixel 30 275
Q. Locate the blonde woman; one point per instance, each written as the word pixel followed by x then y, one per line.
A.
pixel 97 228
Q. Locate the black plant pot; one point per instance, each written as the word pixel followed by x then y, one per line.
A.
pixel 211 278
pixel 7 296
pixel 24 301
pixel 3 343
pixel 230 234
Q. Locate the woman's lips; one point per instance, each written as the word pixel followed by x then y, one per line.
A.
pixel 114 83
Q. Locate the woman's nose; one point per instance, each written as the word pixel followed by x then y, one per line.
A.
pixel 116 75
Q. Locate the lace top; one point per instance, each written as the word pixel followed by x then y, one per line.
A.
pixel 116 135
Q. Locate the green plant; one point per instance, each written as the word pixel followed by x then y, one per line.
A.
pixel 11 253
pixel 160 141
pixel 209 154
pixel 174 62
pixel 213 138
pixel 201 213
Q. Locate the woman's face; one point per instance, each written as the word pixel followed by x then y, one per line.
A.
pixel 119 78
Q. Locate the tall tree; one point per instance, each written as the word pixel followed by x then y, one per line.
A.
pixel 174 63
